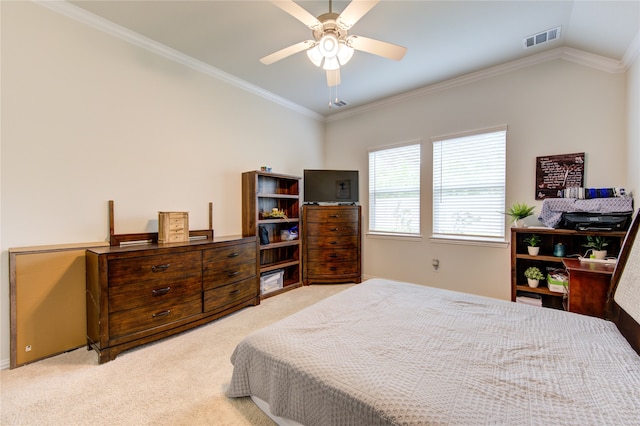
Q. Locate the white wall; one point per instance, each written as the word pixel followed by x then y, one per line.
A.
pixel 557 107
pixel 87 118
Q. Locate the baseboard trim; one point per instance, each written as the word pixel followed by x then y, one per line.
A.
pixel 4 364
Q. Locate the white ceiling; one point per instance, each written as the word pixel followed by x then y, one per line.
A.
pixel 445 39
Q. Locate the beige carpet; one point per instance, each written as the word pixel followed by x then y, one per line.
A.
pixel 180 380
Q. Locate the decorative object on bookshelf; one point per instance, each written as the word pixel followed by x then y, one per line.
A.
pixel 559 250
pixel 597 245
pixel 275 213
pixel 533 242
pixel 264 235
pixel 533 275
pixel 519 211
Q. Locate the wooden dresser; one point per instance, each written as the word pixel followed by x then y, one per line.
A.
pixel 141 293
pixel 331 239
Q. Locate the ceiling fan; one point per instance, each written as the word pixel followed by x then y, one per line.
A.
pixel 332 45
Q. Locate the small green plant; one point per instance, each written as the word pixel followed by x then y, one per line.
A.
pixel 533 240
pixel 533 273
pixel 519 211
pixel 596 243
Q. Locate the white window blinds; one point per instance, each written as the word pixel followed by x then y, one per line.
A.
pixel 469 185
pixel 394 190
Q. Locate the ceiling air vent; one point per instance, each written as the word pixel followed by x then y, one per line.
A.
pixel 542 37
pixel 338 103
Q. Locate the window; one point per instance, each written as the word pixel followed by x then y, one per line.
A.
pixel 394 190
pixel 469 185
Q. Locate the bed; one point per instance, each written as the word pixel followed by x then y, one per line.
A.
pixel 392 353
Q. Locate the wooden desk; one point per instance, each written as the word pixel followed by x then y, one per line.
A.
pixel 588 286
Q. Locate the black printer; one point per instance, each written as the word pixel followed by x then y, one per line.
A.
pixel 584 221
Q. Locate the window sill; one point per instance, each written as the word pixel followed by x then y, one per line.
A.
pixel 469 241
pixel 394 236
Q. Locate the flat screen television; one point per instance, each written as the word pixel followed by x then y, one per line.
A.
pixel 331 186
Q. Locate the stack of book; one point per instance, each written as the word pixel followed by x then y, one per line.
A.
pixel 529 299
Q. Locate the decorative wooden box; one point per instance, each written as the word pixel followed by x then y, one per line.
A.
pixel 173 227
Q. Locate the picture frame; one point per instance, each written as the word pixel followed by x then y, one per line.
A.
pixel 557 172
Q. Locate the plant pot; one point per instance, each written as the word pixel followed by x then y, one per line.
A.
pixel 599 254
pixel 533 283
pixel 533 251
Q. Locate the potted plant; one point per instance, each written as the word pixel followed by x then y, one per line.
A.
pixel 597 245
pixel 519 211
pixel 533 244
pixel 534 275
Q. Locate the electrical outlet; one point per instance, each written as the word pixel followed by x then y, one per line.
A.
pixel 27 348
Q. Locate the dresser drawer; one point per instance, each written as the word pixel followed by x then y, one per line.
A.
pixel 219 298
pixel 238 253
pixel 328 242
pixel 229 264
pixel 332 255
pixel 131 296
pixel 332 215
pixel 158 267
pixel 315 269
pixel 332 228
pixel 227 274
pixel 147 317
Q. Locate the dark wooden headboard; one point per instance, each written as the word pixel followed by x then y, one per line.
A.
pixel 627 325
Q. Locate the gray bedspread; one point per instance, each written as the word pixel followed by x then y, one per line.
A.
pixel 385 352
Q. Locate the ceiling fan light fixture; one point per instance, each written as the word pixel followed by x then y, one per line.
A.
pixel 329 45
pixel 344 53
pixel 315 56
pixel 331 64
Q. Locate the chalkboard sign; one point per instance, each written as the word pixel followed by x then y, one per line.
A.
pixel 557 172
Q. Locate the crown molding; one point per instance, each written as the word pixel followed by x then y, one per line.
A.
pixel 566 53
pixel 78 14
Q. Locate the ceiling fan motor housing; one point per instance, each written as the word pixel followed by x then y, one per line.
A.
pixel 329 26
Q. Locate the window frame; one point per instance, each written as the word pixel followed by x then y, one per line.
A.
pixel 395 234
pixel 461 238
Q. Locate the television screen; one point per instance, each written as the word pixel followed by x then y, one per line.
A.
pixel 331 186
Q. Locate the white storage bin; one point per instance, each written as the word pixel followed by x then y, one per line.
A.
pixel 271 281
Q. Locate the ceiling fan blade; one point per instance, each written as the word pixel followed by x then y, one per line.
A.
pixel 377 47
pixel 287 51
pixel 353 12
pixel 299 13
pixel 333 77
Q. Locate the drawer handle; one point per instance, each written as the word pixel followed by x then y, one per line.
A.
pixel 236 254
pixel 333 255
pixel 333 268
pixel 161 314
pixel 160 291
pixel 160 268
pixel 333 229
pixel 231 293
pixel 333 242
pixel 234 273
pixel 334 215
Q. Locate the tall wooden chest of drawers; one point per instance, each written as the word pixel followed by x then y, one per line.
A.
pixel 331 239
pixel 141 293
